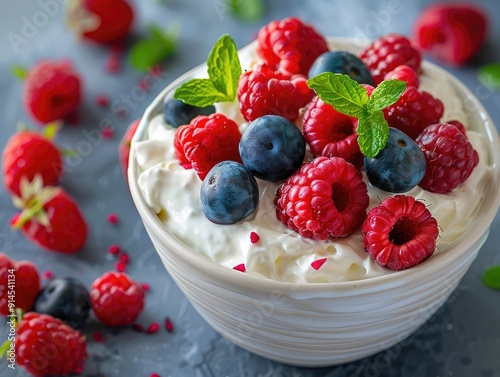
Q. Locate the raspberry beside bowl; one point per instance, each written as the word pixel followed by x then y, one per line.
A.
pixel 320 324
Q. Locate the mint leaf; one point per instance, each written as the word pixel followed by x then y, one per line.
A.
pixel 224 67
pixel 490 75
pixel 224 71
pixel 386 94
pixel 199 92
pixel 248 10
pixel 20 72
pixel 491 278
pixel 373 132
pixel 150 51
pixel 346 95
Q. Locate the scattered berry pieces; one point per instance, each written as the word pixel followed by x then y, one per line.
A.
pixel 114 249
pixel 240 267
pixel 325 198
pixel 318 263
pixel 262 91
pixel 113 218
pixel 414 111
pixel 47 346
pixel 22 278
pixel 102 100
pixel 450 157
pixel 120 266
pixel 169 326
pixel 52 91
pixel 388 52
pixel 28 154
pixel 453 33
pixel 138 327
pixel 254 237
pixel 124 258
pixel 116 299
pixel 330 133
pixel 47 275
pixel 290 46
pixel 153 328
pixel 108 132
pixel 98 337
pixel 154 375
pixel 400 232
pixel 206 141
pixel 145 287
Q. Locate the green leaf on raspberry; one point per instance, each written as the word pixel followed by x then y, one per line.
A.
pixel 340 91
pixel 491 278
pixel 224 71
pixel 373 132
pixel 386 94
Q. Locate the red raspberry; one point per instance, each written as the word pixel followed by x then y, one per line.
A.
pixel 206 141
pixel 450 157
pixel 414 111
pixel 400 232
pixel 330 133
pixel 19 285
pixel 325 198
pixel 52 91
pixel 266 92
pixel 290 46
pixel 47 346
pixel 404 73
pixel 116 300
pixel 459 125
pixel 388 52
pixel 28 154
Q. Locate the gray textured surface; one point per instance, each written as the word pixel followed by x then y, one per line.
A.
pixel 462 339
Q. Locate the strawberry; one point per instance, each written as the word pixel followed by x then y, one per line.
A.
pixel 28 154
pixel 19 285
pixel 50 218
pixel 52 91
pixel 124 147
pixel 452 33
pixel 100 21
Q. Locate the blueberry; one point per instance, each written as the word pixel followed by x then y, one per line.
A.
pixel 272 148
pixel 64 298
pixel 178 113
pixel 399 167
pixel 342 62
pixel 229 193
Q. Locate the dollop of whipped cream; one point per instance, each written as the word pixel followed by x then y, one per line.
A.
pixel 282 254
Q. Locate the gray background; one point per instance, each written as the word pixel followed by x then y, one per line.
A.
pixel 462 339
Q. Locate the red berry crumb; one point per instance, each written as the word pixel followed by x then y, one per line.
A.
pixel 116 299
pixel 114 249
pixel 449 156
pixel 154 375
pixel 388 52
pixel 98 337
pixel 145 287
pixel 47 274
pixel 138 327
pixel 263 91
pixel 169 326
pixel 102 100
pixel 113 218
pixel 325 198
pixel 400 232
pixel 318 263
pixel 290 46
pixel 108 132
pixel 120 266
pixel 240 267
pixel 254 237
pixel 206 141
pixel 153 328
pixel 47 346
pixel 22 278
pixel 124 258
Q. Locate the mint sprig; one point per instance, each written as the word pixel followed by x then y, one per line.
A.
pixel 349 97
pixel 224 70
pixel 150 51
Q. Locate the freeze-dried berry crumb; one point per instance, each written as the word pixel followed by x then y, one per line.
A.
pixel 124 258
pixel 145 287
pixel 98 337
pixel 241 267
pixel 120 266
pixel 102 100
pixel 108 132
pixel 47 274
pixel 153 328
pixel 318 263
pixel 169 326
pixel 113 218
pixel 254 237
pixel 138 327
pixel 114 249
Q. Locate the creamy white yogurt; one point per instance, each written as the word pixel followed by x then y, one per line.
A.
pixel 282 254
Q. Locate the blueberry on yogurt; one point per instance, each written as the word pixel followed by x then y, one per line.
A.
pixel 178 113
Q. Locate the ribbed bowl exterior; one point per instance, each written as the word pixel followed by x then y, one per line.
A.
pixel 320 324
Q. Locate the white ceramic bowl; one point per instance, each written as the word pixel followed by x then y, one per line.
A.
pixel 320 324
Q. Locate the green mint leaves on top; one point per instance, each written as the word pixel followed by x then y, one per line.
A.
pixel 224 70
pixel 349 97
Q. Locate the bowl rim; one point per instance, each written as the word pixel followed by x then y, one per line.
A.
pixel 224 274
